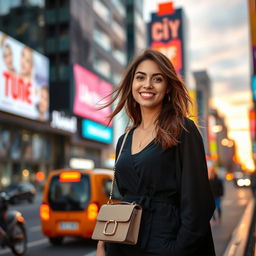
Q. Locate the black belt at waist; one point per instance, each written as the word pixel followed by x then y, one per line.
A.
pixel 147 201
pixel 149 204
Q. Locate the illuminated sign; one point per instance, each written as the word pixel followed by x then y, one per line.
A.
pixel 90 95
pixel 63 122
pixel 252 17
pixel 252 118
pixel 254 87
pixel 212 137
pixel 95 131
pixel 24 80
pixel 166 36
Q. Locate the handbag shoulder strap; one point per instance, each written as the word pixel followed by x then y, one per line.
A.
pixel 114 174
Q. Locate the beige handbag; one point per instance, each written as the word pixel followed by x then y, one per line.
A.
pixel 118 222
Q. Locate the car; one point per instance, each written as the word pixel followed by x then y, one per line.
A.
pixel 71 201
pixel 21 191
pixel 244 181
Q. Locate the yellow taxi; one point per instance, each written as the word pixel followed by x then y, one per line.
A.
pixel 71 201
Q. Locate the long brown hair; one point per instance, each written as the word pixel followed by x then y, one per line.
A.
pixel 175 104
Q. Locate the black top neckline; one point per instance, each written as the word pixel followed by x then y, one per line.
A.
pixel 142 150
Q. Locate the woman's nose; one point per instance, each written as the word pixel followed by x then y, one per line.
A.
pixel 147 83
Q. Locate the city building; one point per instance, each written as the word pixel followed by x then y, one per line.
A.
pixel 203 94
pixel 90 35
pixel 136 28
pixel 79 40
pixel 28 143
pixel 223 146
pixel 252 113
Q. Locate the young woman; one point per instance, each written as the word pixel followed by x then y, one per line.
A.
pixel 162 165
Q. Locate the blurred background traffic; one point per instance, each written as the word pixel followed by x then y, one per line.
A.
pixel 60 58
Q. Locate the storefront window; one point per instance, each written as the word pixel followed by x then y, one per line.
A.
pixel 27 145
pixel 16 145
pixel 37 146
pixel 5 175
pixel 4 141
pixel 16 172
pixel 29 172
pixel 47 149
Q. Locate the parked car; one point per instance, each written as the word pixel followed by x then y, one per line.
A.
pixel 71 201
pixel 21 191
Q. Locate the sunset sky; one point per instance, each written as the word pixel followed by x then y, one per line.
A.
pixel 219 42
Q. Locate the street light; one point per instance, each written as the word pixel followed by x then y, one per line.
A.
pixel 217 128
pixel 227 143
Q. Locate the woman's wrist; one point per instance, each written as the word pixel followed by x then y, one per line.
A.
pixel 100 244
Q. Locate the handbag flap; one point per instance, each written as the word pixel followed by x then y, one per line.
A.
pixel 117 212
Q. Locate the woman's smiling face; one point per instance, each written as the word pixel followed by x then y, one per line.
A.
pixel 149 85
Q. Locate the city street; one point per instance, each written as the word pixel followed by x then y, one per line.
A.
pixel 234 203
pixel 233 206
pixel 38 244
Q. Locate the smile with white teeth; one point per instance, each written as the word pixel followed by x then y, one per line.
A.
pixel 146 94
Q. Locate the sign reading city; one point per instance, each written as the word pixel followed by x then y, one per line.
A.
pixel 90 95
pixel 24 80
pixel 166 35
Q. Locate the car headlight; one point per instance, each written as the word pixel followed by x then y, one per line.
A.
pixel 243 182
pixel 247 182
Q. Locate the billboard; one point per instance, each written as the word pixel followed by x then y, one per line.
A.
pixel 95 131
pixel 252 118
pixel 254 87
pixel 90 95
pixel 252 16
pixel 167 36
pixel 24 80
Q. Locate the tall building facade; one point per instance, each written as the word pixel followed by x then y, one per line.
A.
pixel 252 114
pixel 82 40
pixel 136 28
pixel 203 94
pixel 91 34
pixel 224 147
pixel 28 143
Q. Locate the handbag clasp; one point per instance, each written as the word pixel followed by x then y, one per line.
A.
pixel 114 229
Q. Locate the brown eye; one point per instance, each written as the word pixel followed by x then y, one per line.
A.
pixel 158 79
pixel 139 78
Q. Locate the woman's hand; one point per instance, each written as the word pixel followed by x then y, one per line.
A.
pixel 100 249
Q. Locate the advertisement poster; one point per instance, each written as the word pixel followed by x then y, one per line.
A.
pixel 90 95
pixel 252 17
pixel 166 35
pixel 24 80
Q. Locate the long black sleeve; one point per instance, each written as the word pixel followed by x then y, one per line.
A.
pixel 196 202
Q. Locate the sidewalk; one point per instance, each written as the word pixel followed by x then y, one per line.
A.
pixel 233 206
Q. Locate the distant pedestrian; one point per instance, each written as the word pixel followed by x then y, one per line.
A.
pixel 218 192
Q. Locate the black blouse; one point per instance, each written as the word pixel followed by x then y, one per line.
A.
pixel 173 188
